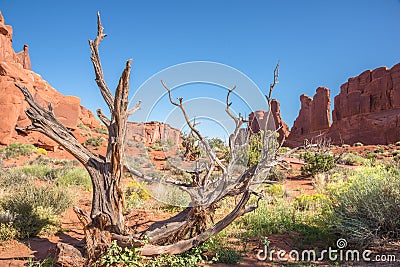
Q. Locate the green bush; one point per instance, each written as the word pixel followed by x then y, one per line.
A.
pixel 317 163
pixel 136 194
pixel 41 151
pixel 357 144
pixel 36 209
pixel 367 205
pixel 17 149
pixel 94 141
pixel 157 145
pixel 7 231
pixel 275 174
pixel 13 177
pixel 74 177
pixel 351 159
pixel 282 217
pixel 395 153
pixel 379 150
pixel 83 127
pixel 101 130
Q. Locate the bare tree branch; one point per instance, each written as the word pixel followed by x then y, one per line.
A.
pixel 103 118
pixel 45 122
pixel 272 85
pixel 209 151
pixel 94 47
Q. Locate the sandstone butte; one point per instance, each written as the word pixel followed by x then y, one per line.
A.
pixel 16 68
pixel 366 110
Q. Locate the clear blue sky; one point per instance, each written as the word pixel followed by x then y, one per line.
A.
pixel 318 42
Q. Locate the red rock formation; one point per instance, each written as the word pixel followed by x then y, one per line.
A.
pixel 313 118
pixel 15 68
pixel 367 108
pixel 150 132
pixel 259 119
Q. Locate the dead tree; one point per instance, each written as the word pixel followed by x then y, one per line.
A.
pixel 183 231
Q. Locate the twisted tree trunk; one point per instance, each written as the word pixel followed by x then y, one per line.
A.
pixel 106 222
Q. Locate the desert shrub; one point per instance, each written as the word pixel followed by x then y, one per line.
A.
pixel 172 197
pixel 83 127
pixel 13 177
pixel 169 143
pixel 41 151
pixel 74 177
pixel 397 143
pixel 317 163
pixel 315 201
pixel 115 255
pixel 312 221
pixel 351 159
pixel 36 209
pixel 367 205
pixel 136 194
pixel 275 190
pixel 357 144
pixel 94 141
pixel 157 145
pixel 51 161
pixel 17 149
pixel 135 162
pixel 275 174
pixel 7 231
pixel 101 130
pixel 379 150
pixel 395 153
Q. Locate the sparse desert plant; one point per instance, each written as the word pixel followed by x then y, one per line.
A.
pixel 136 194
pixel 101 130
pixel 41 151
pixel 397 143
pixel 74 176
pixel 351 159
pixel 94 141
pixel 157 146
pixel 36 209
pixel 395 153
pixel 315 201
pixel 17 149
pixel 83 127
pixel 283 217
pixel 7 231
pixel 379 150
pixel 366 205
pixel 358 144
pixel 317 162
pixel 275 174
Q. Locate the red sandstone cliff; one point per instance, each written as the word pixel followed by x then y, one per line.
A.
pixel 150 132
pixel 367 108
pixel 313 118
pixel 258 119
pixel 15 68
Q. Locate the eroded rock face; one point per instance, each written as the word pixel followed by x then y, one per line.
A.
pixel 313 118
pixel 258 120
pixel 367 108
pixel 15 68
pixel 150 132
